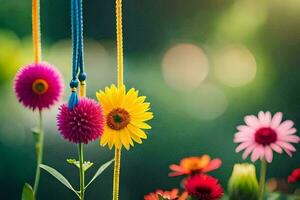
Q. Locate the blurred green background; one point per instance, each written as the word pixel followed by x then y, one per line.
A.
pixel 204 65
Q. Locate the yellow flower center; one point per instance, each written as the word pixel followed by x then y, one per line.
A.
pixel 40 86
pixel 118 119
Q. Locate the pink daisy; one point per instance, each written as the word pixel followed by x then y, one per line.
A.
pixel 264 134
pixel 83 124
pixel 38 86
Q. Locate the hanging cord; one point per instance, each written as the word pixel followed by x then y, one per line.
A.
pixel 82 74
pixel 36 31
pixel 78 73
pixel 119 41
pixel 117 164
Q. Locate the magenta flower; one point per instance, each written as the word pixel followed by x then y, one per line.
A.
pixel 263 134
pixel 38 86
pixel 83 124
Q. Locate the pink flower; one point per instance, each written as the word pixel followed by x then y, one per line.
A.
pixel 38 86
pixel 83 124
pixel 264 134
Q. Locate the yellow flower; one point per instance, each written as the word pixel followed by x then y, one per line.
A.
pixel 125 114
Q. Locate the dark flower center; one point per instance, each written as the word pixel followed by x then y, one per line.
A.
pixel 118 118
pixel 203 190
pixel 40 86
pixel 265 136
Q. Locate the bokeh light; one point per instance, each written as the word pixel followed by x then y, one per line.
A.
pixel 235 66
pixel 185 66
pixel 14 53
pixel 207 102
pixel 243 19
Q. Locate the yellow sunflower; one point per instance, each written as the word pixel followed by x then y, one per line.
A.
pixel 125 114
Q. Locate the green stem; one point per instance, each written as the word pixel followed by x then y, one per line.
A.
pixel 262 180
pixel 39 152
pixel 81 170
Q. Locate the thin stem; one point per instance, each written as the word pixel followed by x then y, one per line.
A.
pixel 39 152
pixel 262 180
pixel 81 170
pixel 117 174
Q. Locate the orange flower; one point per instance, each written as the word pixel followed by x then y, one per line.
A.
pixel 195 165
pixel 171 195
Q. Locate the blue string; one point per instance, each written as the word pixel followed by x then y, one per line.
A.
pixel 75 39
pixel 82 74
pixel 73 99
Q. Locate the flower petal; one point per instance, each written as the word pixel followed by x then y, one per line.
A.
pixel 276 120
pixel 248 151
pixel 286 146
pixel 268 154
pixel 276 148
pixel 213 164
pixel 243 146
pixel 255 154
pixel 286 125
pixel 252 121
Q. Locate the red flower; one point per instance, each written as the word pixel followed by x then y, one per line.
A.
pixel 295 176
pixel 204 187
pixel 195 165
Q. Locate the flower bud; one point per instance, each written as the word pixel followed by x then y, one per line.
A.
pixel 243 184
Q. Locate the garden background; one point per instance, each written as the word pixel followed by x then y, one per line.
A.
pixel 203 65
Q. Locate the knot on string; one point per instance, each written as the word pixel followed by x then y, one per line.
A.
pixel 82 87
pixel 73 99
pixel 74 83
pixel 82 76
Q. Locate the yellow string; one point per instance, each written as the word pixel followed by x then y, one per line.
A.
pixel 117 174
pixel 119 41
pixel 82 89
pixel 36 31
pixel 119 31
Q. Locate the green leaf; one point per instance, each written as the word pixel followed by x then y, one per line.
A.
pixel 160 197
pixel 36 134
pixel 99 171
pixel 27 193
pixel 59 177
pixel 86 164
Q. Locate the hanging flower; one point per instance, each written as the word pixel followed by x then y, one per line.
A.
pixel 204 187
pixel 126 114
pixel 170 195
pixel 295 176
pixel 195 165
pixel 263 134
pixel 83 124
pixel 38 86
pixel 243 183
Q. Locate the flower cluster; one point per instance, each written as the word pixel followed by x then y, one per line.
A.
pixel 171 195
pixel 197 184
